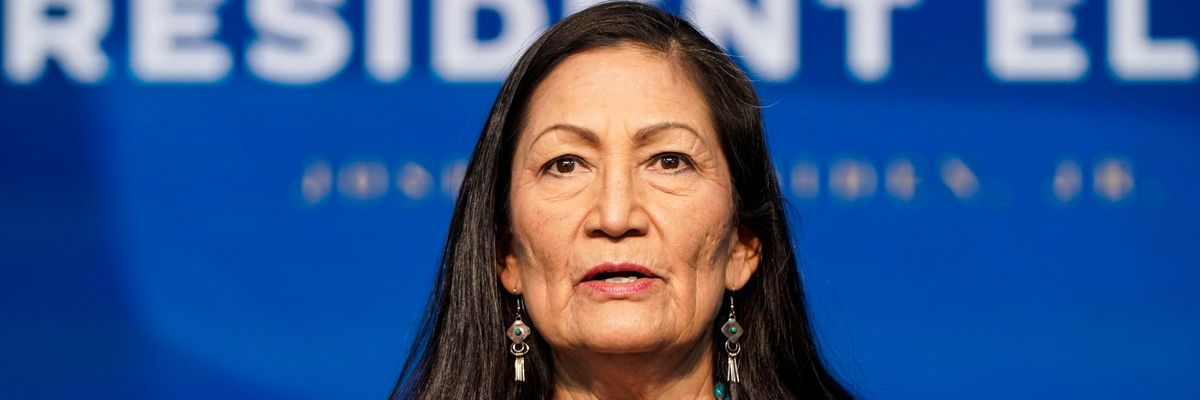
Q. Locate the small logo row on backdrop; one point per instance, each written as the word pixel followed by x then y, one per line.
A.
pixel 1109 180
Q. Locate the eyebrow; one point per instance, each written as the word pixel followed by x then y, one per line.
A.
pixel 641 137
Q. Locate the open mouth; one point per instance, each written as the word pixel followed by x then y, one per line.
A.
pixel 617 277
pixel 618 273
pixel 623 281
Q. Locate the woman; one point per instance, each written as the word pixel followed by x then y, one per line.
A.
pixel 619 232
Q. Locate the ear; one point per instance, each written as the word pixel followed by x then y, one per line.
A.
pixel 507 266
pixel 747 251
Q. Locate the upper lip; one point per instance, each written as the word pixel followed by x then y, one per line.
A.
pixel 617 267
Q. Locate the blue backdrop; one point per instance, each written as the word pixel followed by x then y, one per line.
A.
pixel 1002 208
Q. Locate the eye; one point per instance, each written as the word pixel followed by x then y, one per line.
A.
pixel 563 165
pixel 671 162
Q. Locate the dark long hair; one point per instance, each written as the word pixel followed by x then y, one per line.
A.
pixel 461 351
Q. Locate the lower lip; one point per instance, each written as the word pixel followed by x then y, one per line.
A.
pixel 620 289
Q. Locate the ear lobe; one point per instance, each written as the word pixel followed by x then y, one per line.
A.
pixel 747 252
pixel 508 267
pixel 510 274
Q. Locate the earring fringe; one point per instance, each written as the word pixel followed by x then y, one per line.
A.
pixel 732 374
pixel 519 365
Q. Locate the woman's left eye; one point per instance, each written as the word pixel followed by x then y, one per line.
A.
pixel 671 162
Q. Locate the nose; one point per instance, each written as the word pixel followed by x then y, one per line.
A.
pixel 618 211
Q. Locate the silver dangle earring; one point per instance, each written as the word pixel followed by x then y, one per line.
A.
pixel 517 333
pixel 732 332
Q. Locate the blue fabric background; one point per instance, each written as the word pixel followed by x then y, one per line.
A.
pixel 156 242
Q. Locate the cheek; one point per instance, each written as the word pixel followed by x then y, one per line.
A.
pixel 543 235
pixel 698 230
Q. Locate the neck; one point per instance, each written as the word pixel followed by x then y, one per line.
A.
pixel 670 374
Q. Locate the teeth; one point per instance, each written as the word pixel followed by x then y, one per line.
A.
pixel 621 280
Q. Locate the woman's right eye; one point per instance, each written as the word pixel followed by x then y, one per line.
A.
pixel 564 165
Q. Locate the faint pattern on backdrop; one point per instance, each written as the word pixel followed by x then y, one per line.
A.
pixel 246 199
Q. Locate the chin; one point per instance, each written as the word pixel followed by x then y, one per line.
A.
pixel 625 344
pixel 627 328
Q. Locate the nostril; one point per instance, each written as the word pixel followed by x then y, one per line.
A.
pixel 616 233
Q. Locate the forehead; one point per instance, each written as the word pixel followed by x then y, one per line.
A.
pixel 618 89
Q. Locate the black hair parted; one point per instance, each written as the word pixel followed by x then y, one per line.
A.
pixel 461 351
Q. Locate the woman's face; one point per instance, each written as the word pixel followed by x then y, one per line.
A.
pixel 623 236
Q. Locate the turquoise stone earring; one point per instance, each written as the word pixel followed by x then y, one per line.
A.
pixel 732 332
pixel 517 333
